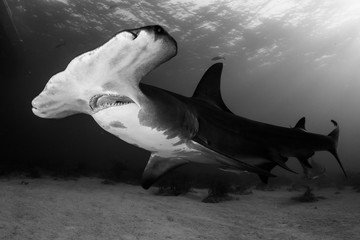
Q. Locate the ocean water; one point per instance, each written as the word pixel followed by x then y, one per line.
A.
pixel 282 61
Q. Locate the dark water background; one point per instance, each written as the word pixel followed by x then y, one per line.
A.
pixel 282 61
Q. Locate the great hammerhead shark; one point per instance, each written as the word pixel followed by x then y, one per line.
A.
pixel 105 83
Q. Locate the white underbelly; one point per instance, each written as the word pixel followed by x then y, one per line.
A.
pixel 124 123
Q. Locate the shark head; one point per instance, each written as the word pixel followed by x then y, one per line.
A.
pixel 106 76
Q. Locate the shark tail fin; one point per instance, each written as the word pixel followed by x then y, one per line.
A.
pixel 208 89
pixel 334 135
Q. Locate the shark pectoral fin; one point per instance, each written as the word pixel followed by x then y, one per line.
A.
pixel 231 161
pixel 276 157
pixel 157 167
pixel 268 166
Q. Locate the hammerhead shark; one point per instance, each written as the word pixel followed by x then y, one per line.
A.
pixel 105 84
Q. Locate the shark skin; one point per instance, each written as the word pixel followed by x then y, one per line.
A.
pixel 105 84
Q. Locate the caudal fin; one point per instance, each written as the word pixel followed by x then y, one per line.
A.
pixel 334 135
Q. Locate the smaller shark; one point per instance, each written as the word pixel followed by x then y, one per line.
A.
pixel 62 43
pixel 217 58
pixel 105 84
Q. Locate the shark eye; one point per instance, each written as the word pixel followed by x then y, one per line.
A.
pixel 158 29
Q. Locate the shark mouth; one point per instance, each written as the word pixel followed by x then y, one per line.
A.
pixel 103 101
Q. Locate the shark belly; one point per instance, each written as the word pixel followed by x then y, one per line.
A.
pixel 126 125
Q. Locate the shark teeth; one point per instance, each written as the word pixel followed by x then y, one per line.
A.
pixel 103 101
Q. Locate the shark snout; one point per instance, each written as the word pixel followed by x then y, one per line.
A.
pixel 39 107
pixel 35 105
pixel 45 107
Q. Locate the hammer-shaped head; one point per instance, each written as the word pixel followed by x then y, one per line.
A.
pixel 114 68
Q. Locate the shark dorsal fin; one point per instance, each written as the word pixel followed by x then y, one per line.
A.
pixel 157 167
pixel 301 124
pixel 208 89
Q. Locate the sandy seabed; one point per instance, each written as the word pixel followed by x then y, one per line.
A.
pixel 86 209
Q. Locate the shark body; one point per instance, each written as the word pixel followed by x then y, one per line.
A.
pixel 105 83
